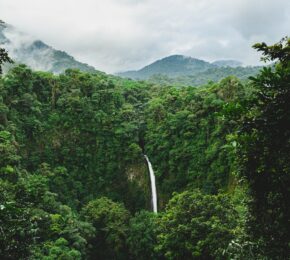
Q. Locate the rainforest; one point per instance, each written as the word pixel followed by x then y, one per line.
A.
pixel 75 183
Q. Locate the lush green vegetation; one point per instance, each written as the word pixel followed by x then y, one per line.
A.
pixel 74 183
pixel 204 77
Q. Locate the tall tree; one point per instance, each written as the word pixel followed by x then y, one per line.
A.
pixel 3 55
pixel 265 149
pixel 110 220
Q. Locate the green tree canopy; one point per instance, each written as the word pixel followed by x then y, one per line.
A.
pixel 264 152
pixel 196 226
pixel 110 220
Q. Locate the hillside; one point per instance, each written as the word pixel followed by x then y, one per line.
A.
pixel 214 74
pixel 175 65
pixel 228 63
pixel 181 70
pixel 36 54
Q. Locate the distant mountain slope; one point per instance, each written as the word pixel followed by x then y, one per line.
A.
pixel 181 70
pixel 35 53
pixel 228 63
pixel 212 74
pixel 175 65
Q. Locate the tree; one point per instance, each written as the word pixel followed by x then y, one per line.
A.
pixel 16 227
pixel 4 58
pixel 264 151
pixel 196 226
pixel 58 249
pixel 110 219
pixel 142 235
pixel 3 55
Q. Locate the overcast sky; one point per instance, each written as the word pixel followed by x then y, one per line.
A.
pixel 117 35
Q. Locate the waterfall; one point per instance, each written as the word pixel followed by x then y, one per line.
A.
pixel 153 184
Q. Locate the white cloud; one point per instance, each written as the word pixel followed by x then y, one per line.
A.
pixel 116 35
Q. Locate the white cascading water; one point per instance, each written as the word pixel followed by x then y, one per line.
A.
pixel 153 184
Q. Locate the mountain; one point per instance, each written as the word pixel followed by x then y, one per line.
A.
pixel 172 70
pixel 228 63
pixel 180 70
pixel 22 48
pixel 173 66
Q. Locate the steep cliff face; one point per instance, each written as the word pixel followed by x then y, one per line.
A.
pixel 139 182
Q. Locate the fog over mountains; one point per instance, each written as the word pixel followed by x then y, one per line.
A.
pixel 175 69
pixel 23 48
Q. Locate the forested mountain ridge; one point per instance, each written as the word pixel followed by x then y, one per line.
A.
pixel 202 78
pixel 74 183
pixel 228 63
pixel 174 65
pixel 36 54
pixel 185 71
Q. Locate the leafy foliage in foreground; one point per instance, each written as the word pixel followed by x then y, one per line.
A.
pixel 195 225
pixel 265 149
pixel 110 220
